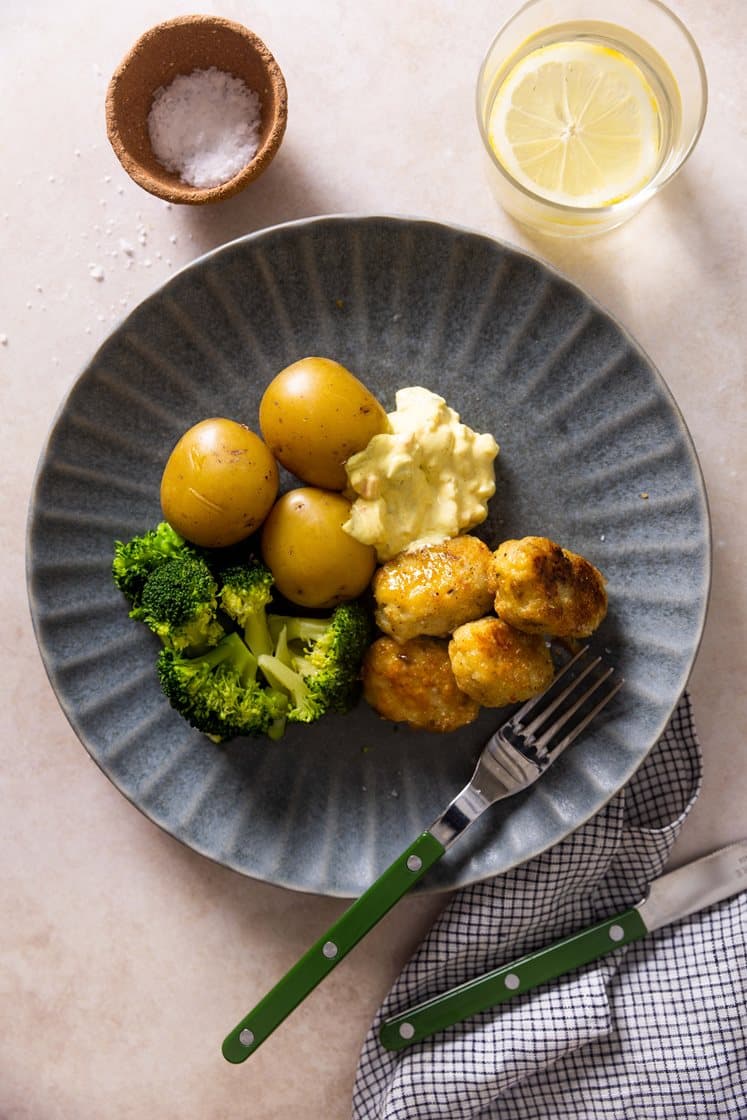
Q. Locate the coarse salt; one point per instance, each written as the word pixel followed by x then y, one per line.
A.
pixel 205 126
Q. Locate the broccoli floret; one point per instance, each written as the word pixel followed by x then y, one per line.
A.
pixel 305 705
pixel 309 666
pixel 136 559
pixel 179 603
pixel 317 661
pixel 218 692
pixel 246 592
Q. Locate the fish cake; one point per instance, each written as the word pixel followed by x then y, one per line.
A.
pixel 412 682
pixel 434 589
pixel 497 665
pixel 542 588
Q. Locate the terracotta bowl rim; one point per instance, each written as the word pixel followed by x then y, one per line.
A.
pixel 177 191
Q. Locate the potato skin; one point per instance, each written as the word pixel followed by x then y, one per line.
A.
pixel 314 415
pixel 219 483
pixel 314 561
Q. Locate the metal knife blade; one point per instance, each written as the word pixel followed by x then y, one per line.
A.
pixel 696 885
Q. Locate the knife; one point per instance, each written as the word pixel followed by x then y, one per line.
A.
pixel 684 891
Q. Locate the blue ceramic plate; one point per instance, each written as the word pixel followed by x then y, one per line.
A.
pixel 586 425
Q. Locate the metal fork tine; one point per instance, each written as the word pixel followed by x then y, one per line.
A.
pixel 577 728
pixel 514 757
pixel 544 714
pixel 535 701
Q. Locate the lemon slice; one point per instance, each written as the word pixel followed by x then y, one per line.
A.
pixel 578 123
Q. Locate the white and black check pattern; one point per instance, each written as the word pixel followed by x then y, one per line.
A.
pixel 654 1031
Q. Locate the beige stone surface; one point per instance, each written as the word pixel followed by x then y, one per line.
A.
pixel 124 957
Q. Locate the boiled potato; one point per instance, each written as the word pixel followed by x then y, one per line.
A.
pixel 219 483
pixel 314 415
pixel 314 561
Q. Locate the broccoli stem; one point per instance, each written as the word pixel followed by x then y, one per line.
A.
pixel 281 676
pixel 282 650
pixel 304 666
pixel 276 730
pixel 231 648
pixel 257 634
pixel 299 629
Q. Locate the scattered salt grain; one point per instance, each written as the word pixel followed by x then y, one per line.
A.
pixel 3 340
pixel 126 247
pixel 205 126
pixel 96 272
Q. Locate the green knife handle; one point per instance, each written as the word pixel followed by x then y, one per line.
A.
pixel 501 984
pixel 331 947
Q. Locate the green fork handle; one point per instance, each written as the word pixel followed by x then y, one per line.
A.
pixel 512 979
pixel 331 947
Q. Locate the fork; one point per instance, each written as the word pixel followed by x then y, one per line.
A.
pixel 511 760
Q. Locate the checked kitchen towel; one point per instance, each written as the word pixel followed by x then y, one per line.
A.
pixel 654 1031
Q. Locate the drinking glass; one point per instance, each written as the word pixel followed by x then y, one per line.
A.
pixel 648 35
